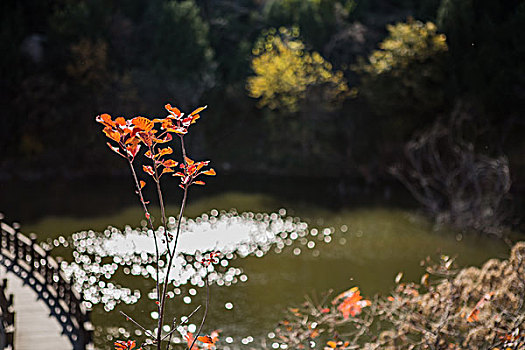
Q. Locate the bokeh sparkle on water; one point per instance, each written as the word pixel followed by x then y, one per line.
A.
pixel 97 257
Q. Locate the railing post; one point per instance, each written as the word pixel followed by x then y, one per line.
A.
pixel 32 252
pixel 2 233
pixel 59 283
pixel 16 242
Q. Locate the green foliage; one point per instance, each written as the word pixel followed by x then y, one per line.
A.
pixel 407 75
pixel 179 45
pixel 80 19
pixel 317 20
pixel 285 71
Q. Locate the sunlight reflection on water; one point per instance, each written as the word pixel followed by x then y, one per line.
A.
pixel 97 257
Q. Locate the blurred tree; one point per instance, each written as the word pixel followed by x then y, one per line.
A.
pixel 285 73
pixel 318 20
pixel 175 51
pixel 304 92
pixel 404 81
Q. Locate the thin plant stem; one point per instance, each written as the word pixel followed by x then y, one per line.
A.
pixel 170 259
pixel 139 191
pixel 182 322
pixel 168 346
pixel 146 331
pixel 205 312
pixel 173 251
pixel 161 200
pixel 162 296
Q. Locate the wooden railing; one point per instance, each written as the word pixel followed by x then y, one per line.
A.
pixel 7 318
pixel 23 256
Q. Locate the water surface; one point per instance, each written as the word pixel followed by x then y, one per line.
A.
pixel 320 249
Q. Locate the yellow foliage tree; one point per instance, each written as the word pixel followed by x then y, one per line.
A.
pixel 405 80
pixel 285 72
pixel 407 43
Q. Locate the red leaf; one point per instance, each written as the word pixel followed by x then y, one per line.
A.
pixel 147 138
pixel 187 121
pixel 134 148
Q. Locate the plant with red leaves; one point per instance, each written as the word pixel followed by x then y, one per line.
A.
pixel 127 138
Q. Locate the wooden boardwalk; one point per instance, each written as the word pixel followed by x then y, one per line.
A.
pixel 35 327
pixel 43 296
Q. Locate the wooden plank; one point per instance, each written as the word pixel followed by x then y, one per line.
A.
pixel 35 328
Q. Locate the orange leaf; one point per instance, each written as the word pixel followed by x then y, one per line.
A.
pixel 146 138
pixel 148 154
pixel 148 169
pixel 345 294
pixel 331 344
pixel 169 163
pixel 199 183
pixel 205 339
pixel 105 119
pixel 165 151
pixel 352 304
pixel 195 117
pixel 173 110
pixel 112 134
pixel 189 338
pixel 123 345
pixel 166 138
pixel 120 121
pixel 188 161
pixel 142 184
pixel 473 316
pixel 143 123
pixel 167 170
pixel 134 148
pixel 210 172
pixel 198 110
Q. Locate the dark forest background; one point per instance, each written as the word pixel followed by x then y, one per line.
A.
pixel 431 112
